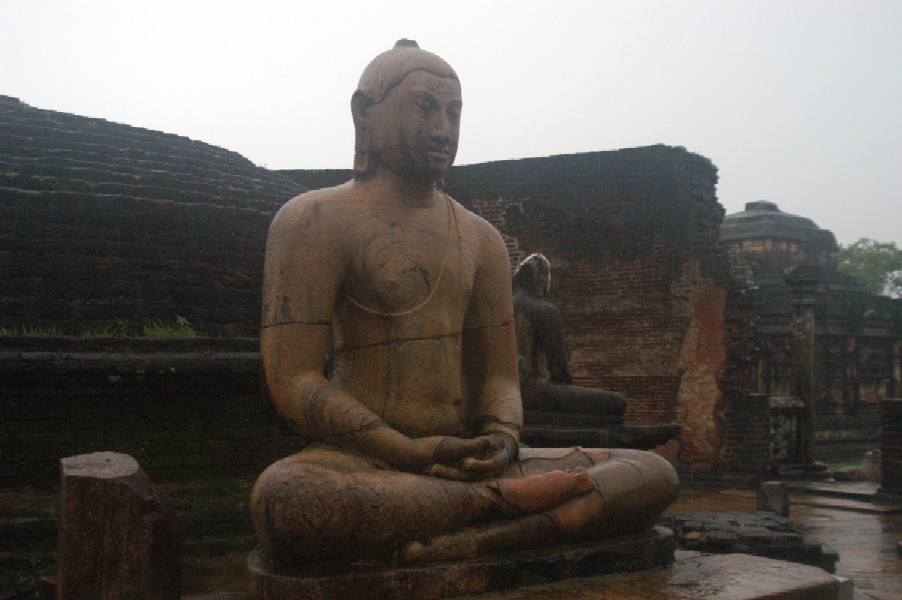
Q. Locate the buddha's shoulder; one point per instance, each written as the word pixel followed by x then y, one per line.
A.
pixel 323 204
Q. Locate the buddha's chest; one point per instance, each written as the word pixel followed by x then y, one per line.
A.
pixel 401 267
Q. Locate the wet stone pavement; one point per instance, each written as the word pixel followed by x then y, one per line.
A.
pixel 761 533
pixel 864 535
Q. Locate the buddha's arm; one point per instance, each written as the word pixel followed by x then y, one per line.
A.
pixel 490 348
pixel 293 356
pixel 549 328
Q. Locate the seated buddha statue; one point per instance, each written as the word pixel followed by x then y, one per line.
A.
pixel 414 452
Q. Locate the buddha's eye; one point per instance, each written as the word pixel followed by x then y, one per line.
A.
pixel 426 104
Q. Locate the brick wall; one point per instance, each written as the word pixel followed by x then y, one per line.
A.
pixel 747 434
pixel 101 221
pixel 182 408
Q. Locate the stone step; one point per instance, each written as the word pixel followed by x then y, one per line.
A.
pixel 44 201
pixel 696 577
pixel 551 437
pixel 45 129
pixel 569 420
pixel 99 178
pixel 835 503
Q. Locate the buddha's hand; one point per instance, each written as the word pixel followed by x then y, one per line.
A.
pixel 483 457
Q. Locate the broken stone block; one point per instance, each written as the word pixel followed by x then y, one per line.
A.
pixel 774 496
pixel 117 538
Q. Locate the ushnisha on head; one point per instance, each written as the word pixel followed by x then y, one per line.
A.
pixel 406 114
pixel 534 275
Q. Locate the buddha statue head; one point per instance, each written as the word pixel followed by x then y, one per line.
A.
pixel 534 275
pixel 406 115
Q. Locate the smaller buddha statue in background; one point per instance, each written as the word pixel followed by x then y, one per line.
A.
pixel 545 381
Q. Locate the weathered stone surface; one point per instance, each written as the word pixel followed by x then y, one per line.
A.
pixel 374 582
pixel 774 496
pixel 694 577
pixel 117 539
pixel 760 533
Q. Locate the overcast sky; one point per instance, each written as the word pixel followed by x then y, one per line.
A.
pixel 796 101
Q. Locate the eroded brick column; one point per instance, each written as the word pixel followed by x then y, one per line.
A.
pixel 117 539
pixel 805 281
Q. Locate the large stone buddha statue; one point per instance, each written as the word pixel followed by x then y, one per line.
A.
pixel 414 451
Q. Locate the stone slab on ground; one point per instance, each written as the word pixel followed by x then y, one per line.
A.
pixel 694 577
pixel 860 491
pixel 652 548
pixel 762 533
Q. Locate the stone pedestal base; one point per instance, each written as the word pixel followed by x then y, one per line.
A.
pixel 652 548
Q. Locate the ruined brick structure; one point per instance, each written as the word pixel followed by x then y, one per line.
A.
pixel 101 221
pixel 857 335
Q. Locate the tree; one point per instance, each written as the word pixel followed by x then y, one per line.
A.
pixel 877 265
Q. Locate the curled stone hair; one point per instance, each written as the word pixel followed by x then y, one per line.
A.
pixel 534 274
pixel 381 76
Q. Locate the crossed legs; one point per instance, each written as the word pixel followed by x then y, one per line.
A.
pixel 325 504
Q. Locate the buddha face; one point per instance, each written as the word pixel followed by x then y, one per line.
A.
pixel 415 128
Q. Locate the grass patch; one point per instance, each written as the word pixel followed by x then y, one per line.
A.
pixel 26 331
pixel 157 329
pixel 120 329
pixel 840 465
pixel 182 329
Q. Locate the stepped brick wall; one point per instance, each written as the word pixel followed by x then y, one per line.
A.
pixel 182 408
pixel 101 222
pixel 637 270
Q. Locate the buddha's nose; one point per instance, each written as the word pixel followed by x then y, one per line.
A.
pixel 441 128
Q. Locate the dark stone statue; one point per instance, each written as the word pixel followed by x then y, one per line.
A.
pixel 545 381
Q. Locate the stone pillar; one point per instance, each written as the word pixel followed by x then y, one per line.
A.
pixel 117 539
pixel 747 436
pixel 805 281
pixel 774 496
pixel 891 446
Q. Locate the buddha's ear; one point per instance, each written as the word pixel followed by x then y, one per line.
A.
pixel 360 108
